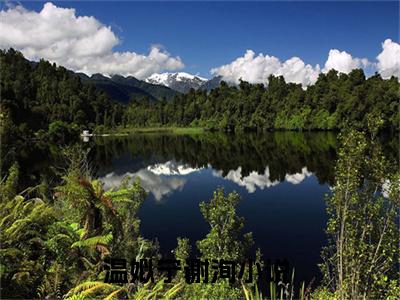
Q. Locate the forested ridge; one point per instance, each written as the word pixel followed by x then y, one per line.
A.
pixel 40 98
pixel 334 102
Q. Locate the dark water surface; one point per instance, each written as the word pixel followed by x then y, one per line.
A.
pixel 281 177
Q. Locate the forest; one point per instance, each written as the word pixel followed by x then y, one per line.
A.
pixel 57 235
pixel 43 100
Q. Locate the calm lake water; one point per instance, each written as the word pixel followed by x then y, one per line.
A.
pixel 282 178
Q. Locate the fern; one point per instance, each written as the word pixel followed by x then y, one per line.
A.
pixel 94 241
pixel 114 294
pixel 88 289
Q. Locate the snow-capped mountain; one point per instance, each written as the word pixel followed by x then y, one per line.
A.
pixel 181 81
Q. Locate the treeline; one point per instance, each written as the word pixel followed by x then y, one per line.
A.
pixel 41 97
pixel 335 101
pixel 48 101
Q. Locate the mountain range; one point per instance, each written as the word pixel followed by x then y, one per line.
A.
pixel 156 87
pixel 181 82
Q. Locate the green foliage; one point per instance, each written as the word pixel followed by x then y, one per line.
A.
pixel 42 96
pixel 36 95
pixel 48 248
pixel 61 132
pixel 225 240
pixel 23 253
pixel 361 259
pixel 9 184
pixel 95 289
pixel 335 101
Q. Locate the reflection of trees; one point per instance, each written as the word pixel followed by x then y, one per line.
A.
pixel 283 152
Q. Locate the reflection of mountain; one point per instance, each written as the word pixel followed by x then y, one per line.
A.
pixel 159 186
pixel 255 180
pixel 162 178
pixel 172 168
pixel 283 152
pixel 159 179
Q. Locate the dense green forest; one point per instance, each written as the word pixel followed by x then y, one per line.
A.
pixel 334 102
pixel 37 98
pixel 43 100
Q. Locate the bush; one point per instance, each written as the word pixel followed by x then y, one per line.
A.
pixel 62 132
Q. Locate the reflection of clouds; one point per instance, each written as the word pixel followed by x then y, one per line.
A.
pixel 156 179
pixel 255 180
pixel 250 182
pixel 298 177
pixel 159 186
pixel 172 168
pixel 386 188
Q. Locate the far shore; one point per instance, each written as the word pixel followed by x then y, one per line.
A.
pixel 130 131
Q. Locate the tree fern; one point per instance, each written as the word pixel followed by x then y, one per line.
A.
pixel 94 241
pixel 90 289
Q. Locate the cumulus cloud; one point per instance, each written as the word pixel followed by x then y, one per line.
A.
pixel 252 181
pixel 159 186
pixel 343 62
pixel 159 179
pixel 172 168
pixel 256 180
pixel 298 177
pixel 389 59
pixel 80 43
pixel 257 69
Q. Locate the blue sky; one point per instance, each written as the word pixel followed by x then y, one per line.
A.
pixel 209 34
pixel 235 40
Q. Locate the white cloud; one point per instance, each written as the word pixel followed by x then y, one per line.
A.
pixel 159 186
pixel 172 168
pixel 159 179
pixel 296 71
pixel 252 181
pixel 255 180
pixel 343 62
pixel 298 177
pixel 389 59
pixel 257 69
pixel 80 43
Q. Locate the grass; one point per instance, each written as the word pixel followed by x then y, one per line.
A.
pixel 172 130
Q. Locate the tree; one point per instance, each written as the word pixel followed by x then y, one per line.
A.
pixel 360 260
pixel 225 240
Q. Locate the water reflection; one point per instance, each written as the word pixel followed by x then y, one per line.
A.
pixel 162 178
pixel 172 168
pixel 240 157
pixel 256 180
pixel 158 185
pixel 158 179
pixel 282 178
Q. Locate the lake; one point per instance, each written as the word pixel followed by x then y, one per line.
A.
pixel 282 178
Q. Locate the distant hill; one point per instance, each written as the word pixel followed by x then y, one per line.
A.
pixel 211 84
pixel 183 82
pixel 180 81
pixel 122 89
